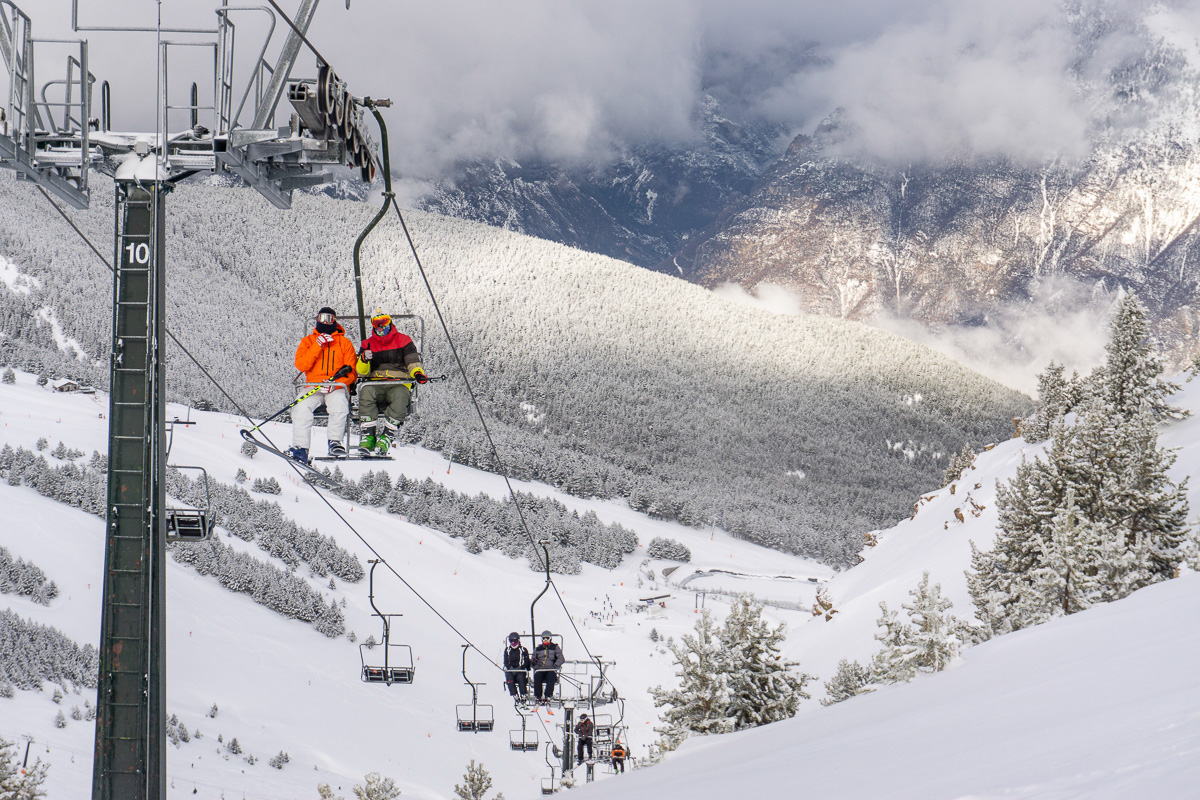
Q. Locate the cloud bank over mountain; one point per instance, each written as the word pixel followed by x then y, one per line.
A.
pixel 1026 79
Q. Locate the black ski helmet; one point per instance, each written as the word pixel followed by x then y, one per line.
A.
pixel 514 637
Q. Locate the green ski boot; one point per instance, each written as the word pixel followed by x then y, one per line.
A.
pixel 383 443
pixel 366 444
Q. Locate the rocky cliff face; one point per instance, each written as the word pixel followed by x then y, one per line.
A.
pixel 640 208
pixel 952 242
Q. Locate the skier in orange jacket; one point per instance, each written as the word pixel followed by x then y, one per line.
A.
pixel 320 356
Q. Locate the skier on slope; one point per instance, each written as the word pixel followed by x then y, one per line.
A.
pixel 547 660
pixel 387 354
pixel 320 355
pixel 516 667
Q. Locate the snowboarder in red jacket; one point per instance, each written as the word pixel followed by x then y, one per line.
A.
pixel 386 355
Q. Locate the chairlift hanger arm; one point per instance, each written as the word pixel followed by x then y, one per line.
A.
pixel 546 588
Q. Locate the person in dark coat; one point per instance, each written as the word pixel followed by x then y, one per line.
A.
pixel 618 757
pixel 547 661
pixel 583 736
pixel 516 667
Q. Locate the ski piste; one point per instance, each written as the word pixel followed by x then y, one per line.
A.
pixel 310 473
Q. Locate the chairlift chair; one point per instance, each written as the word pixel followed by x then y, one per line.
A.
pixel 474 717
pixel 191 524
pixel 526 739
pixel 397 666
pixel 188 524
pixel 553 783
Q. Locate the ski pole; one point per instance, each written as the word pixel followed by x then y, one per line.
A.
pixel 411 381
pixel 341 373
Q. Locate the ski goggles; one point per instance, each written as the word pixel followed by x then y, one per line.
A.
pixel 326 318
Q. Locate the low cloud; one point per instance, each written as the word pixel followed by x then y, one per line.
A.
pixel 1065 322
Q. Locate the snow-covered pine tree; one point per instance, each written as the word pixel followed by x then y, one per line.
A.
pixel 700 703
pixel 1131 376
pixel 1111 467
pixel 17 783
pixel 959 463
pixel 1067 580
pixel 325 792
pixel 894 661
pixel 763 686
pixel 936 635
pixel 850 679
pixel 377 787
pixel 1056 397
pixel 475 785
pixel 331 623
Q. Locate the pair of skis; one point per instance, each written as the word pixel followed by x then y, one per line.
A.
pixel 310 473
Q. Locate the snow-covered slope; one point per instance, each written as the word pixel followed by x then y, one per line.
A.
pixel 279 685
pixel 1087 706
pixel 1093 705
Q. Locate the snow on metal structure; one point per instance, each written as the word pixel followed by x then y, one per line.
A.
pixel 49 136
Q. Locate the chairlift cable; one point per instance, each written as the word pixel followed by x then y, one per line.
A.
pixel 242 411
pixel 389 195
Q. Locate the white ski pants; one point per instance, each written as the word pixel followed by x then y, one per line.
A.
pixel 336 402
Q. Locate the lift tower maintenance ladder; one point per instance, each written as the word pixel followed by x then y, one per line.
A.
pixel 49 137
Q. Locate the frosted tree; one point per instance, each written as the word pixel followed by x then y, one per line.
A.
pixel 9 376
pixel 17 783
pixel 1131 376
pixel 1069 578
pixel 959 463
pixel 1056 397
pixel 700 703
pixel 936 635
pixel 475 785
pixel 926 642
pixel 850 679
pixel 1109 470
pixel 325 792
pixel 764 687
pixel 376 787
pixel 893 663
pixel 331 623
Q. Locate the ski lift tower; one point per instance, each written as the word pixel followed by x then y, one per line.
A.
pixel 49 137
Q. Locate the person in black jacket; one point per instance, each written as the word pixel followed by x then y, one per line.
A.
pixel 547 661
pixel 583 732
pixel 516 667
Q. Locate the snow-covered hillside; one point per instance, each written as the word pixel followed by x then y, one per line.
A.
pixel 796 432
pixel 279 685
pixel 1060 710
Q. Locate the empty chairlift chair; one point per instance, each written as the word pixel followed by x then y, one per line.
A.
pixel 191 524
pixel 394 662
pixel 524 740
pixel 474 717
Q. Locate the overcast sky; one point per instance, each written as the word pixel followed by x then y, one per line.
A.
pixel 580 79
